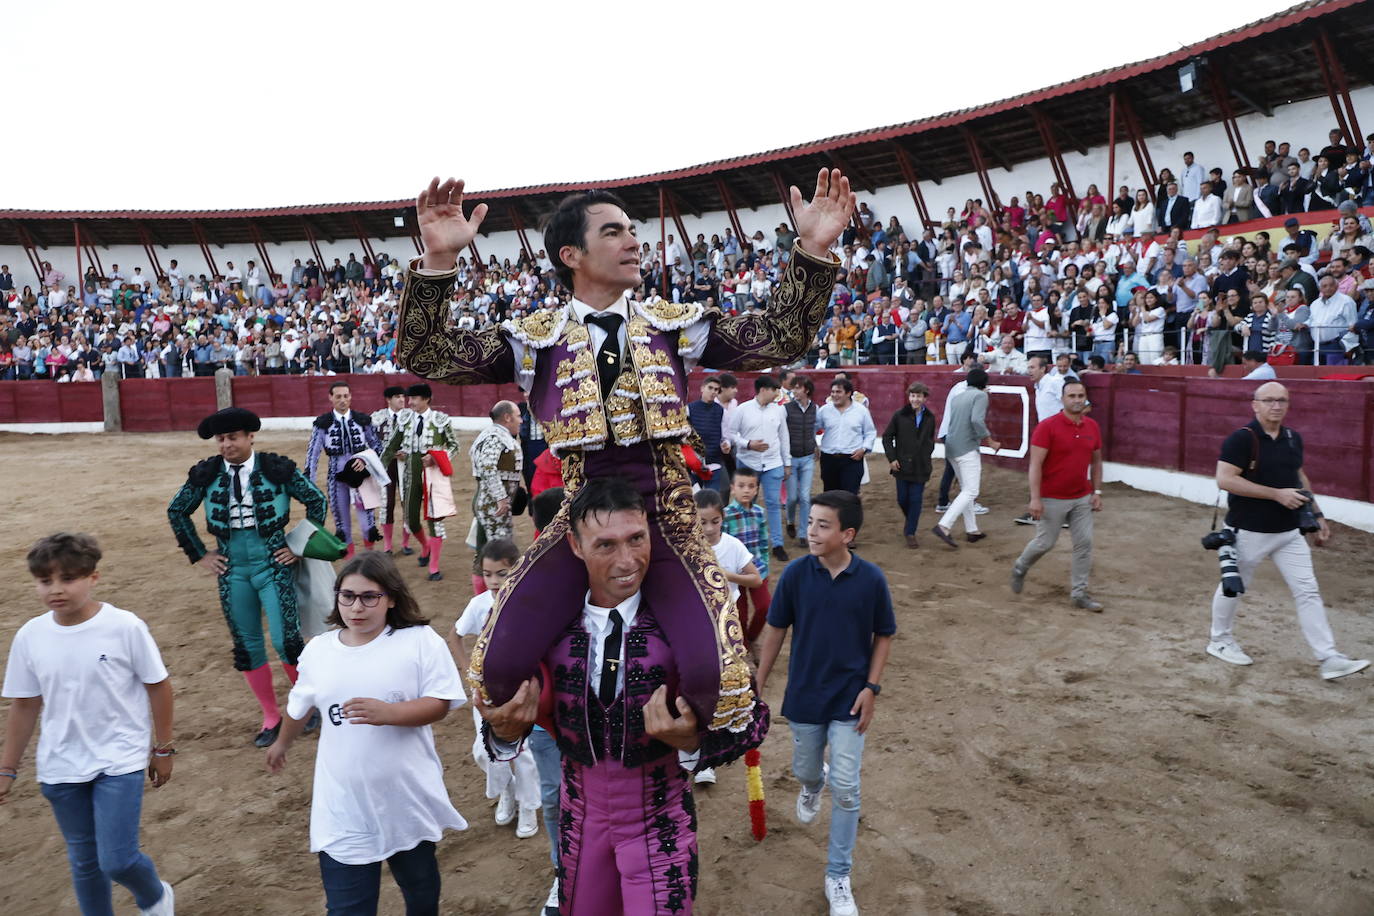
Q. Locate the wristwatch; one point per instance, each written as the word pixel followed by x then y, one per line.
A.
pixel 876 688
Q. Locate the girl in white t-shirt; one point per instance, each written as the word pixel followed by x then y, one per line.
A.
pixel 379 682
pixel 516 782
pixel 97 678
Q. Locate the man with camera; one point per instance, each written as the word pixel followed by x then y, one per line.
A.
pixel 1271 511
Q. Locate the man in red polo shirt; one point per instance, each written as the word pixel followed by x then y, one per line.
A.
pixel 1064 450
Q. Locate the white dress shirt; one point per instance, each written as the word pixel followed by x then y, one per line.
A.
pixel 752 420
pixel 241 514
pixel 1206 212
pixel 1331 318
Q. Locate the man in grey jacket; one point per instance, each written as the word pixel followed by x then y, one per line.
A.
pixel 967 430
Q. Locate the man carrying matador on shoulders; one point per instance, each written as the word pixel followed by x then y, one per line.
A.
pixel 606 378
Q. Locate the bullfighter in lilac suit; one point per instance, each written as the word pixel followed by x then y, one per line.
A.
pixel 607 381
pixel 342 433
pixel 627 827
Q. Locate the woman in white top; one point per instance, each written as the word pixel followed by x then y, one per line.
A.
pixel 1104 329
pixel 1119 221
pixel 1147 318
pixel 1143 215
pixel 379 681
pixel 1345 237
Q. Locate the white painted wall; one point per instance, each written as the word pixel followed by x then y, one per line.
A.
pixel 1300 123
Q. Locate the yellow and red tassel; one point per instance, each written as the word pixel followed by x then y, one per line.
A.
pixel 758 818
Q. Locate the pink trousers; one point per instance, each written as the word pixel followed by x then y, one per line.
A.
pixel 628 841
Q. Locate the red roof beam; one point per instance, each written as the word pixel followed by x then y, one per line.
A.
pixel 150 250
pixel 261 246
pixel 728 201
pixel 362 238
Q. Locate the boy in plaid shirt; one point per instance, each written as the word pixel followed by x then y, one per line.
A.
pixel 748 521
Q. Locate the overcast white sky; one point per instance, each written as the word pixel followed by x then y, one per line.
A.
pixel 160 105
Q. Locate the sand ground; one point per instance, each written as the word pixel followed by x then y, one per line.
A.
pixel 1026 758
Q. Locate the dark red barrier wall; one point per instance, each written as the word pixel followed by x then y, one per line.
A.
pixel 1175 422
pixel 49 402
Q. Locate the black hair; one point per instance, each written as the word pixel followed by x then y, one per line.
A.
pixel 65 552
pixel 844 383
pixel 765 381
pixel 709 499
pixel 806 383
pixel 333 385
pixel 545 506
pixel 1097 361
pixel 568 226
pixel 846 505
pixel 978 377
pixel 917 388
pixel 743 470
pixel 380 568
pixel 1075 381
pixel 727 380
pixel 603 495
pixel 502 550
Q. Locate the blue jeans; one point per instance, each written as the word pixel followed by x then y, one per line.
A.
pixel 799 491
pixel 771 483
pixel 549 762
pixel 909 496
pixel 99 821
pixel 1106 349
pixel 846 759
pixel 1332 353
pixel 352 890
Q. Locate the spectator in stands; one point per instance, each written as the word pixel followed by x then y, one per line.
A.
pixel 1190 179
pixel 1175 211
pixel 1006 359
pixel 1207 208
pixel 1333 316
pixel 1294 191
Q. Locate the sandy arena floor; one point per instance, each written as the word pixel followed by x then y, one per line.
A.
pixel 1026 758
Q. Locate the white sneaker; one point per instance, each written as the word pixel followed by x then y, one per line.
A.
pixel 706 777
pixel 840 896
pixel 1339 666
pixel 943 508
pixel 1230 652
pixel 551 904
pixel 505 806
pixel 980 509
pixel 528 824
pixel 164 906
pixel 809 803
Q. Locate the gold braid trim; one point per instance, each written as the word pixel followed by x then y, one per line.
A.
pixel 783 333
pixel 429 347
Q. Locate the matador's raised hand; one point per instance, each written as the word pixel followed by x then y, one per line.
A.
pixel 820 222
pixel 444 229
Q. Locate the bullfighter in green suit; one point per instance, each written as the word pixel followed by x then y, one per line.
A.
pixel 247 498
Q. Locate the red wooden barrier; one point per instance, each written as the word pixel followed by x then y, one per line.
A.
pixel 49 402
pixel 1174 421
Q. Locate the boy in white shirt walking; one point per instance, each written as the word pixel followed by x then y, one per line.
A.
pixel 94 672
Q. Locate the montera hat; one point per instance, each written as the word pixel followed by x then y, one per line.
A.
pixel 421 390
pixel 229 420
pixel 393 390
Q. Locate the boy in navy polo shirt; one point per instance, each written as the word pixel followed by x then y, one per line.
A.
pixel 841 613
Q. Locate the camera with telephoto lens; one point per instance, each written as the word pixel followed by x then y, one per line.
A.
pixel 1307 518
pixel 1224 543
pixel 1215 540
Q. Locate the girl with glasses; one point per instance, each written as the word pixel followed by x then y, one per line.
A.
pixel 380 680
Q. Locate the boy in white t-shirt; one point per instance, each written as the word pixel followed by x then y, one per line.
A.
pixel 94 672
pixel 517 781
pixel 734 559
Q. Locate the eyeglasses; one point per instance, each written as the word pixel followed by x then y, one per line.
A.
pixel 369 599
pixel 1272 402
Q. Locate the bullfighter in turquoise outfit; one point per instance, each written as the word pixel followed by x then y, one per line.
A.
pixel 247 497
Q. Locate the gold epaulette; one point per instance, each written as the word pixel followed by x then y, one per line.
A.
pixel 666 315
pixel 539 329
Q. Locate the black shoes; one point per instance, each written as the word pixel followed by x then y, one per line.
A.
pixel 780 554
pixel 407 551
pixel 791 530
pixel 436 576
pixel 267 736
pixel 424 560
pixel 313 723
